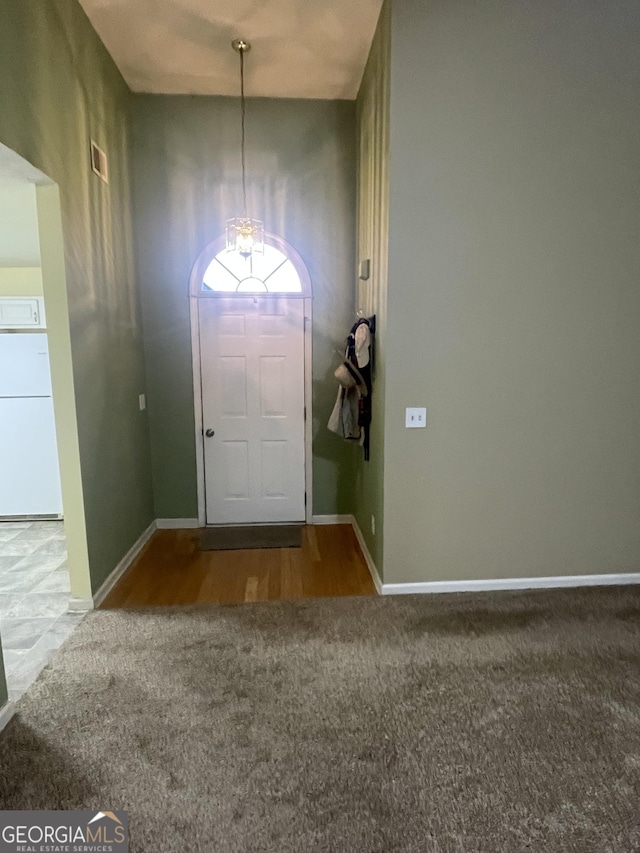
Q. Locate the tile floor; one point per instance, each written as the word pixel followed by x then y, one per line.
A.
pixel 34 599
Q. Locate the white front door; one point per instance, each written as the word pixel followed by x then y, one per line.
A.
pixel 252 363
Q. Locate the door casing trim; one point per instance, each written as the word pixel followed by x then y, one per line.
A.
pixel 194 313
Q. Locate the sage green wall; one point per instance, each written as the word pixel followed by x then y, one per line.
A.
pixel 373 240
pixel 301 182
pixel 514 296
pixel 58 89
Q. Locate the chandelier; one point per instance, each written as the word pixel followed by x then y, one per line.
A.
pixel 244 234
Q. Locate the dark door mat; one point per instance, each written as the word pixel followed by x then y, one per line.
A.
pixel 262 536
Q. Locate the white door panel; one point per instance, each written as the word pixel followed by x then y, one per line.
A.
pixel 252 362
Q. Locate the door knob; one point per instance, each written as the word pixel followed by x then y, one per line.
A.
pixel 209 433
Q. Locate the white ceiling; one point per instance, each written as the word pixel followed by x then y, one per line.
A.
pixel 301 48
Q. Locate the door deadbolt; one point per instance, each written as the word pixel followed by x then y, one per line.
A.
pixel 210 433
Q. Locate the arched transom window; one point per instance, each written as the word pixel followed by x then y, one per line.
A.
pixel 279 271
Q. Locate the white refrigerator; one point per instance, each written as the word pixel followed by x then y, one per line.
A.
pixel 29 471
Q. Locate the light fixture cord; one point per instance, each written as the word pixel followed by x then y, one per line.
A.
pixel 242 112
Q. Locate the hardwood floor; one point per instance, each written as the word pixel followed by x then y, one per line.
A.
pixel 172 571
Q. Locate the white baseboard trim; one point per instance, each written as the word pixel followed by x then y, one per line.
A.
pixel 177 523
pixel 496 584
pixel 553 582
pixel 375 577
pixel 123 565
pixel 6 713
pixel 331 519
pixel 80 605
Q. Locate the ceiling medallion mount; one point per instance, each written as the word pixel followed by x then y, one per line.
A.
pixel 244 234
pixel 241 46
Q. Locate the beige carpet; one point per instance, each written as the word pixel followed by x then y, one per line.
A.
pixel 502 722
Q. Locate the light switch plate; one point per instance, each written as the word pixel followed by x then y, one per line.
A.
pixel 416 418
pixel 142 401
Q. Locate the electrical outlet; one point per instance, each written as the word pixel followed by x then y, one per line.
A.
pixel 142 401
pixel 416 418
pixel 373 524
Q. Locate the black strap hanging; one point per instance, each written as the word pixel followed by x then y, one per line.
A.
pixel 364 410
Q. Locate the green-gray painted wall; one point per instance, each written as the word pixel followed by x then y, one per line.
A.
pixel 514 290
pixel 371 295
pixel 58 89
pixel 301 167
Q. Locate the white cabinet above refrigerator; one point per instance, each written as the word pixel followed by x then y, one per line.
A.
pixel 22 312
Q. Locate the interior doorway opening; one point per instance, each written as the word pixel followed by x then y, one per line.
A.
pixel 44 566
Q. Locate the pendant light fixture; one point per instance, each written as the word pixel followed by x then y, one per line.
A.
pixel 244 235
